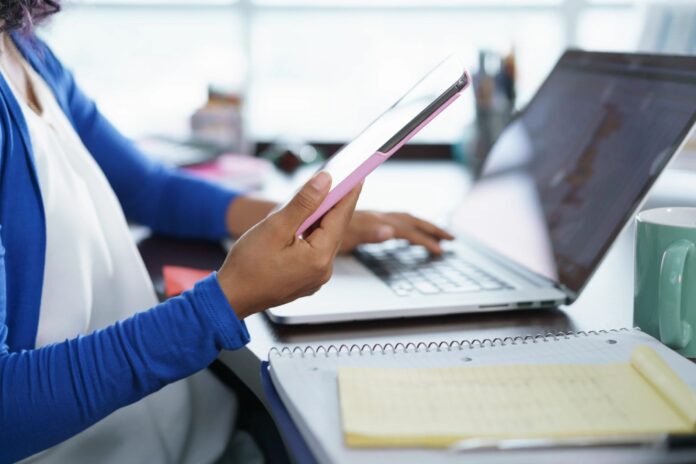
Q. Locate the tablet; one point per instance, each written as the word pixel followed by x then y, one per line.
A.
pixel 381 139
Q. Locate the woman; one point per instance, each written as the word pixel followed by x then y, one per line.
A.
pixel 92 368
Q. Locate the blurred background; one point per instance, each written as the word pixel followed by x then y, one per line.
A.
pixel 320 70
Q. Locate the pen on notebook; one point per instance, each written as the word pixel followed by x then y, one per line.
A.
pixel 652 440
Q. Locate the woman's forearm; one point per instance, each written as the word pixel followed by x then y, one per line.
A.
pixel 52 393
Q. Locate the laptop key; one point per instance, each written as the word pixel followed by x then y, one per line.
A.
pixel 426 288
pixel 491 285
pixel 463 289
pixel 402 284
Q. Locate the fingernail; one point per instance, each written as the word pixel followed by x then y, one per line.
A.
pixel 320 180
pixel 385 232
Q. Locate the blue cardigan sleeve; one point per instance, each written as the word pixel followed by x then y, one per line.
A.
pixel 167 200
pixel 51 393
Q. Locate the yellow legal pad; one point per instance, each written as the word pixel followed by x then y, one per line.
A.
pixel 436 407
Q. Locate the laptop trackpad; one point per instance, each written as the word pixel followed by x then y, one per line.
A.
pixel 350 275
pixel 349 266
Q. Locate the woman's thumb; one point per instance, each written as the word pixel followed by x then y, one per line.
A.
pixel 307 200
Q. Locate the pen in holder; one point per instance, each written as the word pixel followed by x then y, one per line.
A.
pixel 495 94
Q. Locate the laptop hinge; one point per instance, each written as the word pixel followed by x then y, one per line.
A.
pixel 571 296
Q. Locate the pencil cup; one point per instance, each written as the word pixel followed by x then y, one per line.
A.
pixel 665 278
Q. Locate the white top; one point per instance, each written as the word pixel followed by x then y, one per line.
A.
pixel 95 276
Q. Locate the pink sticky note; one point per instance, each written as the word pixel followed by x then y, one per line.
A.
pixel 234 169
pixel 178 279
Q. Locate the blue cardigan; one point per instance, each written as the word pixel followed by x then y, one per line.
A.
pixel 51 393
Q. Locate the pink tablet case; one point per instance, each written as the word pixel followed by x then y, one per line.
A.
pixel 367 167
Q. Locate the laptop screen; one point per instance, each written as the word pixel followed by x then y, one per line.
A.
pixel 570 171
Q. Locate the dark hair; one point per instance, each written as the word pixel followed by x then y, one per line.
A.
pixel 22 15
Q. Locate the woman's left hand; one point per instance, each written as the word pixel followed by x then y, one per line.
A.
pixel 365 227
pixel 374 227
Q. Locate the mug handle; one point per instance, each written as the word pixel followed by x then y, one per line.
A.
pixel 674 331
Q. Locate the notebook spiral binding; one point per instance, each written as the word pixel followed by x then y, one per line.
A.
pixel 418 347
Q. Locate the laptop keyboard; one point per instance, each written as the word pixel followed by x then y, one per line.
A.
pixel 410 269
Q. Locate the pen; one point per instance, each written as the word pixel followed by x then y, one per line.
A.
pixel 651 440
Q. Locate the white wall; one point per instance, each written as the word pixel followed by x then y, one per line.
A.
pixel 318 69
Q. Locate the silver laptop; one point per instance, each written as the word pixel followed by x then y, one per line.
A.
pixel 555 191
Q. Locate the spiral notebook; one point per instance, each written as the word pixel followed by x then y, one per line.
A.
pixel 307 381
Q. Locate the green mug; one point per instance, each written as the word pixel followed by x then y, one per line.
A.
pixel 665 278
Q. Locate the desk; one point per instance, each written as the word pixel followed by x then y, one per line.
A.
pixel 606 302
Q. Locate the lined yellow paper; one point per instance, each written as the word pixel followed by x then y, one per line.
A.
pixel 436 407
pixel 657 373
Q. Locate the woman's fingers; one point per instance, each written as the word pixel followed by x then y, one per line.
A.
pixel 417 237
pixel 374 227
pixel 420 232
pixel 329 234
pixel 430 228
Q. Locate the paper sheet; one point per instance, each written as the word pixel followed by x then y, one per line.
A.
pixel 435 407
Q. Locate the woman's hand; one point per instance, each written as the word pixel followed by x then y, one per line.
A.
pixel 365 227
pixel 373 227
pixel 269 265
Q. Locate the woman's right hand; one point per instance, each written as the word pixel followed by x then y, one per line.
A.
pixel 269 265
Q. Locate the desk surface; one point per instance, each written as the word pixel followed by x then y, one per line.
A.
pixel 605 303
